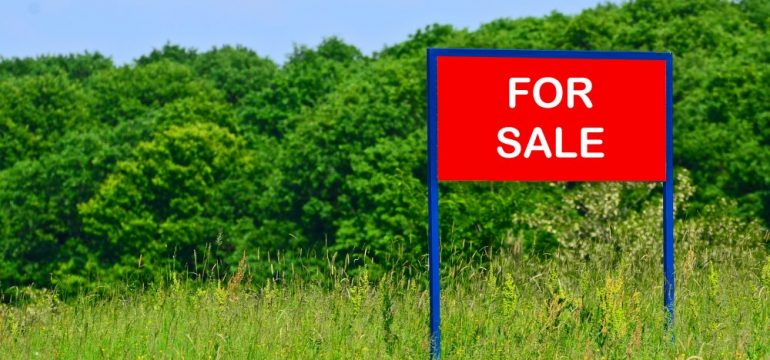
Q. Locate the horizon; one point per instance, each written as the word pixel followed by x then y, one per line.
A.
pixel 125 31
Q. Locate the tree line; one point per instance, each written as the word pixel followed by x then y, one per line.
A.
pixel 114 172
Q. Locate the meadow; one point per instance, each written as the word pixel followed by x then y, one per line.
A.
pixel 495 305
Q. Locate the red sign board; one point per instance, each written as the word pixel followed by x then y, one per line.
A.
pixel 551 119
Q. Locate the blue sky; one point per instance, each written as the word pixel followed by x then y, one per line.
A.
pixel 127 29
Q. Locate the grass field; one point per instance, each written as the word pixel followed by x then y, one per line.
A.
pixel 512 308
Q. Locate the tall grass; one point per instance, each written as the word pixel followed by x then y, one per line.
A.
pixel 498 305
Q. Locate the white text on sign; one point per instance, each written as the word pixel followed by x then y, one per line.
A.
pixel 538 141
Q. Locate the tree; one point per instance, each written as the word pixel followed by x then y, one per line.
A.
pixel 36 111
pixel 179 192
pixel 308 76
pixel 41 239
pixel 124 93
pixel 236 71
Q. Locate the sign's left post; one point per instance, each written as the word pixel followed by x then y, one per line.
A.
pixel 434 251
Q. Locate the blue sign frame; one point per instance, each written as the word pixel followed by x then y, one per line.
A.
pixel 433 218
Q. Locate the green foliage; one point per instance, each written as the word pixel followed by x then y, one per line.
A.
pixel 177 193
pixel 36 111
pixel 236 71
pixel 431 36
pixel 169 52
pixel 766 273
pixel 307 77
pixel 76 66
pixel 117 173
pixel 352 172
pixel 122 94
pixel 510 296
pixel 42 231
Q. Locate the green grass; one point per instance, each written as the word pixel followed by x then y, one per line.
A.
pixel 512 308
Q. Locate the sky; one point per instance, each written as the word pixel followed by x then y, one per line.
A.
pixel 127 29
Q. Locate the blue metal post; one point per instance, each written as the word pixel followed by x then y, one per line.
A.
pixel 433 228
pixel 668 201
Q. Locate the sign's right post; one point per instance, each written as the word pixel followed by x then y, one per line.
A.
pixel 668 199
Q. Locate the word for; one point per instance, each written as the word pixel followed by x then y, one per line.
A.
pixel 572 92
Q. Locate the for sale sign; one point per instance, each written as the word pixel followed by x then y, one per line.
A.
pixel 530 115
pixel 551 118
